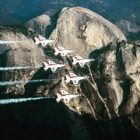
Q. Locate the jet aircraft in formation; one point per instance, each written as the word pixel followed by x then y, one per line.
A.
pixel 64 95
pixel 43 41
pixel 74 78
pixel 52 65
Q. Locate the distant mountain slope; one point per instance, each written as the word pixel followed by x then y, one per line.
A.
pixel 110 9
pixel 130 30
pixel 39 24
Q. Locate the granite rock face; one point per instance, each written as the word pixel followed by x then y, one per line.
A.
pixel 39 24
pixel 15 55
pixel 117 77
pixel 79 27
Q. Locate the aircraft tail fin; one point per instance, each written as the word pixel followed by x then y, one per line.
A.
pixel 45 63
pixel 36 40
pixel 56 51
pixel 58 97
pixel 73 60
pixel 66 77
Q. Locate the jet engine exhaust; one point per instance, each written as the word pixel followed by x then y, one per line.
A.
pixel 19 82
pixel 10 101
pixel 14 68
pixel 9 42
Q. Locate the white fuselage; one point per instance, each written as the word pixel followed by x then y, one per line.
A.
pixel 67 97
pixel 77 78
pixel 53 67
pixel 63 52
pixel 43 41
pixel 82 61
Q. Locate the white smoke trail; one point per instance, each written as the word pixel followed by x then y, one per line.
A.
pixel 14 68
pixel 10 101
pixel 18 82
pixel 10 83
pixel 8 42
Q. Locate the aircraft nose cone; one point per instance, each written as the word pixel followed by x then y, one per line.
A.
pixel 89 77
pixel 67 64
pixel 82 95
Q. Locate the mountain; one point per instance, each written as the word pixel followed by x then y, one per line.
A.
pixel 110 108
pixel 39 24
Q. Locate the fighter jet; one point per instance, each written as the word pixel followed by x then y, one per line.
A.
pixel 42 40
pixel 74 78
pixel 81 60
pixel 62 51
pixel 52 65
pixel 65 96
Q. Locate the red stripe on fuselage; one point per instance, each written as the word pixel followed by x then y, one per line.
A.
pixel 48 63
pixel 58 49
pixel 61 94
pixel 77 58
pixel 70 76
pixel 39 39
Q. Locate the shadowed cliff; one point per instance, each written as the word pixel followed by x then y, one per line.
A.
pixel 45 119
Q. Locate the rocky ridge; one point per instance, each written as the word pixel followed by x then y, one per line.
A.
pixel 39 24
